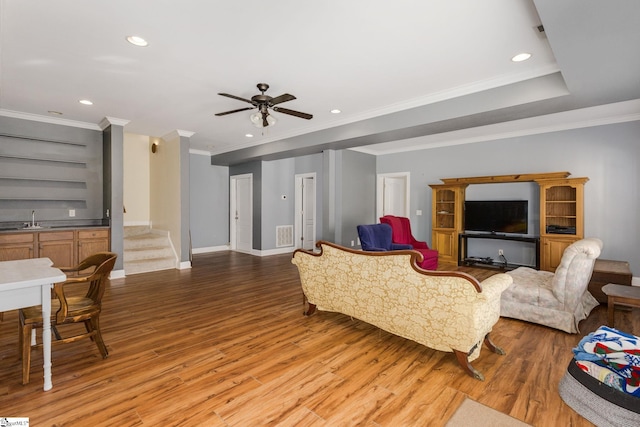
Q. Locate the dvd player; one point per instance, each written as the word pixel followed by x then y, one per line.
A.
pixel 560 229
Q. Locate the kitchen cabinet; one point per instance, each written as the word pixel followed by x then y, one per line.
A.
pixel 65 247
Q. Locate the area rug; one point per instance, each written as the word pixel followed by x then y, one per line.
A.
pixel 472 413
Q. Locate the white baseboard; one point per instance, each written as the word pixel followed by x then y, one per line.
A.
pixel 274 251
pixel 209 249
pixel 116 274
pixel 136 223
pixel 635 281
pixel 255 252
pixel 184 265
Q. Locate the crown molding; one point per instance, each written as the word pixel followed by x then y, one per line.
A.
pixel 48 119
pixel 199 152
pixel 109 121
pixel 177 133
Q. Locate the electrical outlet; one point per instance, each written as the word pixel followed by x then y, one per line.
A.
pixel 500 252
pixel 72 212
pixel 352 243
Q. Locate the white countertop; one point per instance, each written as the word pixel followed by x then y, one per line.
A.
pixel 29 272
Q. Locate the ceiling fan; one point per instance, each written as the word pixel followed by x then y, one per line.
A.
pixel 263 103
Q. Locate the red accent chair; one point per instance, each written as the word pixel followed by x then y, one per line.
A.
pixel 401 228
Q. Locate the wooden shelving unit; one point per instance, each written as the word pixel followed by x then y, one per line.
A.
pixel 561 213
pixel 561 217
pixel 446 220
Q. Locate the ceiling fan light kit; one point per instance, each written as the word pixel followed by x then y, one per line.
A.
pixel 258 120
pixel 263 103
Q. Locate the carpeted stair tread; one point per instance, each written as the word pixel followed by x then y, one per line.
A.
pixel 146 251
pixel 149 264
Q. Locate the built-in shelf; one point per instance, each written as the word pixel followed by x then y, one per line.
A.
pixel 47 140
pixel 43 204
pixel 44 159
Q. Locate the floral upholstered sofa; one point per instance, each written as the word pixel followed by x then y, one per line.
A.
pixel 446 311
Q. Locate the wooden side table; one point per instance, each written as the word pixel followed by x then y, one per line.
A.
pixel 608 271
pixel 628 296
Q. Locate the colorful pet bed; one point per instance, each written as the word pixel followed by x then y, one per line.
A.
pixel 602 382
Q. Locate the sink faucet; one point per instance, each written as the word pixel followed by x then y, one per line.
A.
pixel 33 218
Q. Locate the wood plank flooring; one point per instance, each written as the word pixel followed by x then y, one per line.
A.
pixel 225 344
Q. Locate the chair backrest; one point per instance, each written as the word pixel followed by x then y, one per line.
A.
pixel 96 280
pixel 574 271
pixel 401 231
pixel 104 261
pixel 375 237
pixel 401 228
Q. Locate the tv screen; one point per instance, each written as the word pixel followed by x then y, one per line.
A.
pixel 496 216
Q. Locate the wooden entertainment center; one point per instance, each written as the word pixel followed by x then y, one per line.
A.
pixel 561 214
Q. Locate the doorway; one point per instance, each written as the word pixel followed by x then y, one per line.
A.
pixel 241 213
pixel 392 194
pixel 305 214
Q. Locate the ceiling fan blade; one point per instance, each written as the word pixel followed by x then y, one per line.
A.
pixel 234 111
pixel 293 113
pixel 236 97
pixel 282 98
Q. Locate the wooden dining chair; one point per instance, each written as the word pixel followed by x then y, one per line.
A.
pixel 92 273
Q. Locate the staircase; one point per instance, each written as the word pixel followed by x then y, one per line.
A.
pixel 146 250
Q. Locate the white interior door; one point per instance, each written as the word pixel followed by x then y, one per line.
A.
pixel 393 194
pixel 241 213
pixel 305 219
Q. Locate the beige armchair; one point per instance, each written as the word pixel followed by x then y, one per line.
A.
pixel 559 300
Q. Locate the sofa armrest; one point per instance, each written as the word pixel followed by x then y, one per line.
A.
pixel 492 287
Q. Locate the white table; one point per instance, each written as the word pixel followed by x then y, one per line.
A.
pixel 28 282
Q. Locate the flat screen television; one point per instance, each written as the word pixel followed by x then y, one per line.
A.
pixel 496 216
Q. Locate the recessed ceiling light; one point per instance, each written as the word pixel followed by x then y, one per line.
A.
pixel 137 41
pixel 249 135
pixel 85 102
pixel 521 57
pixel 336 111
pixel 57 113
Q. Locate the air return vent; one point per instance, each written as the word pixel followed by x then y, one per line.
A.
pixel 284 236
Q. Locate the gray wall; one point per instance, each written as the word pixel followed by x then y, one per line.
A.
pixel 608 155
pixel 349 180
pixel 277 181
pixel 51 169
pixel 358 194
pixel 345 190
pixel 113 152
pixel 209 203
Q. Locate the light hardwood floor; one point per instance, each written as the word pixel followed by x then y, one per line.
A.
pixel 225 344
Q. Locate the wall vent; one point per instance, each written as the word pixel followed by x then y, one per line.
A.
pixel 284 236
